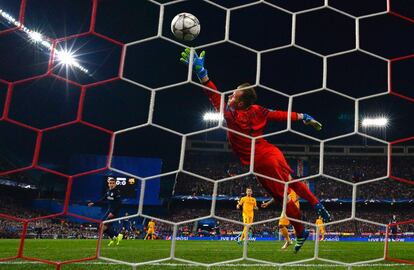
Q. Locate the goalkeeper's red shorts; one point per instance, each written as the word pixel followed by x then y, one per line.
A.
pixel 272 164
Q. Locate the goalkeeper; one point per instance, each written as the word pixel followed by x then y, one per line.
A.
pixel 243 116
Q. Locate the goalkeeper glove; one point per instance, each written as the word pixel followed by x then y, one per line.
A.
pixel 309 120
pixel 198 62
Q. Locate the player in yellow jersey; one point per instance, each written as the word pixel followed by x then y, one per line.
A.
pixel 248 203
pixel 319 223
pixel 283 221
pixel 150 230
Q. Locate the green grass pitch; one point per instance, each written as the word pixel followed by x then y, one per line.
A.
pixel 202 251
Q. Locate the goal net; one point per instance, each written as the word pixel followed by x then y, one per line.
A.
pixel 94 90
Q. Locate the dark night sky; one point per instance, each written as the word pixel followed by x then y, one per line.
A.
pixel 117 105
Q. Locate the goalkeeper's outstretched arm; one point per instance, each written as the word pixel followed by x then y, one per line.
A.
pixel 202 75
pixel 198 64
pixel 283 116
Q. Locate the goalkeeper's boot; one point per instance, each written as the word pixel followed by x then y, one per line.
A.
pixel 300 240
pixel 321 210
pixel 250 237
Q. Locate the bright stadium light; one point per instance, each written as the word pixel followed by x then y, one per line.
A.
pixel 64 57
pixel 212 116
pixel 68 58
pixel 35 36
pixel 375 122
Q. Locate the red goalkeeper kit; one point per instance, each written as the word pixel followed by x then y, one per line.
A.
pixel 268 159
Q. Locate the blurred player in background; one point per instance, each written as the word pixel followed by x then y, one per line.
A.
pixel 248 204
pixel 217 229
pixel 319 223
pixel 284 222
pixel 150 230
pixel 38 229
pixel 113 198
pixel 242 115
pixel 393 230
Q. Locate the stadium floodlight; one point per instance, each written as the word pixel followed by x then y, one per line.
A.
pixel 68 58
pixel 375 122
pixel 212 116
pixel 63 57
pixel 35 36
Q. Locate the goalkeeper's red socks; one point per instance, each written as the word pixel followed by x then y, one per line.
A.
pixel 293 211
pixel 304 192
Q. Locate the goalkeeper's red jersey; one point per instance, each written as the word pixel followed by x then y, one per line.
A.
pixel 251 121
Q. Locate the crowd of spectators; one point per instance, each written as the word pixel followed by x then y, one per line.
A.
pixel 403 167
pixel 60 228
pixel 351 169
pixel 17 208
pixel 10 228
pixel 189 185
pixel 48 228
pixel 355 227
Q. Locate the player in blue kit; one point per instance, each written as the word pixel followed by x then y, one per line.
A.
pixel 112 197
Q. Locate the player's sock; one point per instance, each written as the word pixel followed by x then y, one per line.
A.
pixel 304 192
pixel 119 238
pixel 321 210
pixel 243 235
pixel 250 235
pixel 113 240
pixel 293 211
pixel 237 239
pixel 322 236
pixel 300 240
pixel 285 233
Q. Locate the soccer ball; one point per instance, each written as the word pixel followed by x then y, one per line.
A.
pixel 185 26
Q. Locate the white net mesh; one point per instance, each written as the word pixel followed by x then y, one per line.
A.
pixel 260 53
pixel 222 125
